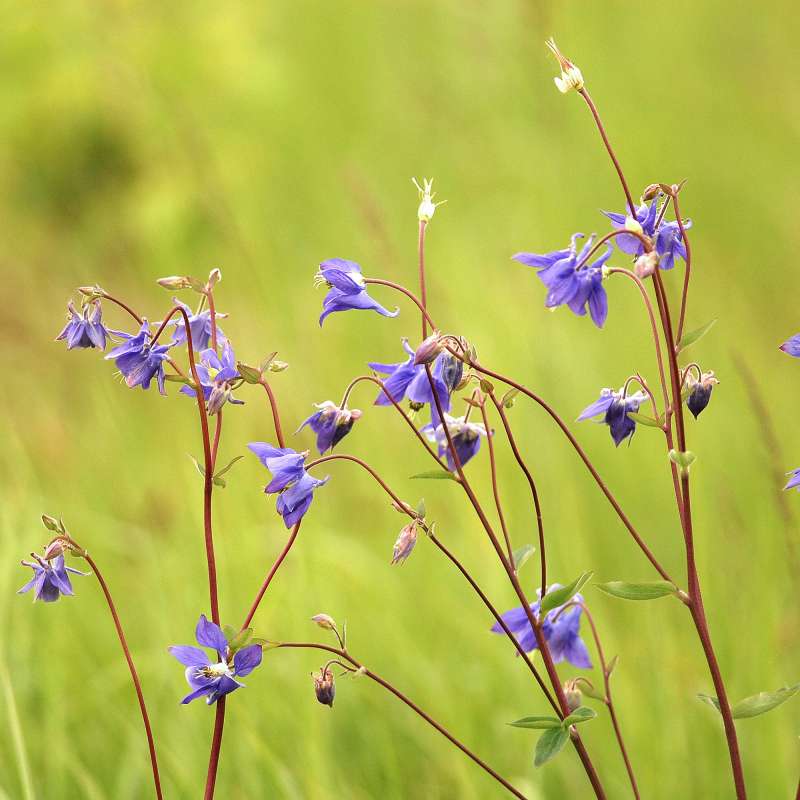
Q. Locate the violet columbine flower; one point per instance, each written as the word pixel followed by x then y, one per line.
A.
pixel 466 438
pixel 217 376
pixel 199 325
pixel 214 679
pixel 50 578
pixel 794 480
pixel 561 630
pixel 699 391
pixel 615 409
pixel 405 542
pixel 410 381
pixel 568 285
pixel 290 481
pixel 792 346
pixel 138 360
pixel 347 289
pixel 85 329
pixel 331 424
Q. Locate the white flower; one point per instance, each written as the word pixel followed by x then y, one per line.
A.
pixel 426 207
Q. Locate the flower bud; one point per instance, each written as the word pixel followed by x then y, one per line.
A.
pixel 277 366
pixel 633 225
pixel 324 621
pixel 57 547
pixel 700 392
pixel 52 524
pixel 324 687
pixel 214 277
pixel 426 207
pixel 646 264
pixel 571 77
pixel 175 282
pixel 405 542
pixel 452 371
pixel 427 352
pixel 573 695
pixel 249 374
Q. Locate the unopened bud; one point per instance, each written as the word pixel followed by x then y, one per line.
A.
pixel 633 225
pixel 277 366
pixel 324 687
pixel 573 695
pixel 52 524
pixel 56 548
pixel 92 292
pixel 427 352
pixel 571 77
pixel 324 621
pixel 651 191
pixel 249 374
pixel 405 542
pixel 175 282
pixel 427 207
pixel 646 264
pixel 214 277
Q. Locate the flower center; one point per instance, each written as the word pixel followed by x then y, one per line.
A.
pixel 216 670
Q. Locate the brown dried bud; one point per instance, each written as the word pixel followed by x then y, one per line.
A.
pixel 324 621
pixel 324 687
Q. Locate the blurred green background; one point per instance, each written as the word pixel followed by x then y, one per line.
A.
pixel 149 139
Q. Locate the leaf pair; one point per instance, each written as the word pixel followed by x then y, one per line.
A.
pixel 556 732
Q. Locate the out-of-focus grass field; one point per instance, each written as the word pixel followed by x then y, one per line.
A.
pixel 142 140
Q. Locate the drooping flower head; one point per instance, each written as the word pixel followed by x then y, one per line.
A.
pixel 409 381
pixel 699 391
pixel 290 481
pixel 199 325
pixel 561 630
pixel 347 289
pixel 405 542
pixel 50 578
pixel 85 329
pixel 615 407
pixel 217 375
pixel 213 678
pixel 331 424
pixel 568 285
pixel 138 360
pixel 466 438
pixel 324 686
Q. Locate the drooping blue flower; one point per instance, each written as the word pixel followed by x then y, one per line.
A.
pixel 331 424
pixel 217 376
pixel 794 480
pixel 347 289
pixel 50 578
pixel 406 380
pixel 85 329
pixel 466 438
pixel 614 408
pixel 199 325
pixel 214 678
pixel 669 243
pixel 290 481
pixel 792 346
pixel 561 630
pixel 699 391
pixel 567 285
pixel 138 360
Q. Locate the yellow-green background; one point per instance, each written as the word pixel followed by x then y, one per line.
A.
pixel 147 139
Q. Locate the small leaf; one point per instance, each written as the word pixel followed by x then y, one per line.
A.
pixel 222 471
pixel 560 596
pixel 266 644
pixel 197 464
pixel 268 360
pixel 643 419
pixel 179 379
pixel 612 665
pixel 486 386
pixel 241 639
pixel 707 698
pixel 550 744
pixel 521 555
pixel 436 475
pixel 219 482
pixel 230 632
pixel 595 694
pixel 694 336
pixel 763 701
pixel 537 723
pixel 645 590
pixel 421 508
pixel 249 374
pixel 507 400
pixel 582 714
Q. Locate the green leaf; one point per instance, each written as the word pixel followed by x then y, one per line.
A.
pixel 230 632
pixel 683 459
pixel 645 590
pixel 538 723
pixel 509 397
pixel 763 701
pixel 179 379
pixel 643 419
pixel 612 665
pixel 694 336
pixel 550 744
pixel 240 640
pixel 198 465
pixel 222 471
pixel 582 714
pixel 436 475
pixel 707 698
pixel 595 694
pixel 219 482
pixel 521 555
pixel 421 508
pixel 560 596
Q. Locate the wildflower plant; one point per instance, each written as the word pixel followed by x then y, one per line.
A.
pixel 458 411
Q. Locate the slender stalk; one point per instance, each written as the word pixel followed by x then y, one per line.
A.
pixel 687 271
pixel 531 483
pixel 212 309
pixel 216 744
pixel 343 654
pixel 134 674
pixel 495 490
pixel 423 291
pixel 276 418
pixel 398 288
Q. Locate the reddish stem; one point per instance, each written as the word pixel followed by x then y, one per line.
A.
pixel 398 288
pixel 423 292
pixel 216 744
pixel 687 271
pixel 273 404
pixel 134 675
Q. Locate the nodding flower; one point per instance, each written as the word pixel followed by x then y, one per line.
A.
pixel 466 438
pixel 331 424
pixel 324 686
pixel 699 391
pixel 217 375
pixel 85 329
pixel 406 540
pixel 615 407
pixel 199 325
pixel 50 577
pixel 139 361
pixel 347 289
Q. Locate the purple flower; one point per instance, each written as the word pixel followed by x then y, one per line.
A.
pixel 615 409
pixel 217 377
pixel 794 480
pixel 699 391
pixel 347 289
pixel 85 329
pixel 792 346
pixel 466 438
pixel 405 542
pixel 561 630
pixel 214 678
pixel 567 285
pixel 50 578
pixel 669 243
pixel 410 381
pixel 139 361
pixel 199 325
pixel 290 481
pixel 331 424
